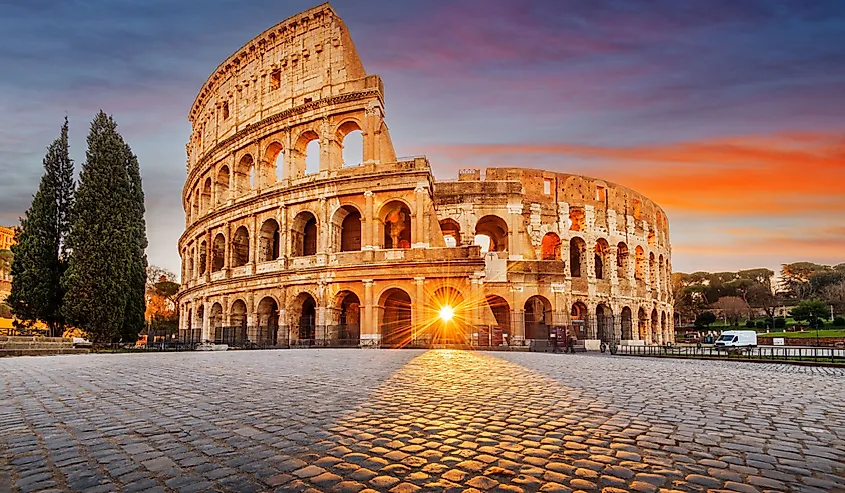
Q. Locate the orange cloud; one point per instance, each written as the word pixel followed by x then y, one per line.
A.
pixel 788 173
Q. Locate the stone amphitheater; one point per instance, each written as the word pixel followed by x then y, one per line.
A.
pixel 289 240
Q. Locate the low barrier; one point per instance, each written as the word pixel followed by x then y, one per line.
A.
pixel 791 354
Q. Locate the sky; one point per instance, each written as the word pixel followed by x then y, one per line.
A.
pixel 730 114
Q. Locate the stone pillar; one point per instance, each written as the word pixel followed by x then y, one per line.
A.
pixel 419 238
pixel 253 242
pixel 514 238
pixel 206 335
pixel 369 222
pixel 283 233
pixel 518 327
pixel 208 260
pixel 418 307
pixel 369 331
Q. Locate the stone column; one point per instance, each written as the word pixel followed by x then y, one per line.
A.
pixel 418 234
pixel 208 260
pixel 283 233
pixel 253 240
pixel 369 222
pixel 418 308
pixel 515 223
pixel 206 335
pixel 369 331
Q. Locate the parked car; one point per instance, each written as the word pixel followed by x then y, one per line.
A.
pixel 737 338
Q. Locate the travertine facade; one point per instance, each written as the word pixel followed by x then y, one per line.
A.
pixel 369 251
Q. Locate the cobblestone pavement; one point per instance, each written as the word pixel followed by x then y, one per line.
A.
pixel 404 421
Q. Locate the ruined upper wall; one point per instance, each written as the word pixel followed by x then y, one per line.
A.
pixel 502 186
pixel 307 57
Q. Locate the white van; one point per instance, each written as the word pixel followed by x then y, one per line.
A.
pixel 737 338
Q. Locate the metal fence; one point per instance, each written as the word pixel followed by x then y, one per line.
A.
pixel 771 353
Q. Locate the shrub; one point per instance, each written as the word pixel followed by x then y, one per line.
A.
pixel 750 324
pixel 780 323
pixel 839 322
pixel 761 324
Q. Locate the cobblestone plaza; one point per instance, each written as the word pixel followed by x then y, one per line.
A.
pixel 407 420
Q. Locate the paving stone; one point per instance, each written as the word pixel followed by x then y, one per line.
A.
pixel 411 419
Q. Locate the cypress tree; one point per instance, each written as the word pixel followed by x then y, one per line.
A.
pixel 101 279
pixel 136 293
pixel 39 259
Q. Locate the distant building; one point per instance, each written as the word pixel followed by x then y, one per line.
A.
pixel 7 237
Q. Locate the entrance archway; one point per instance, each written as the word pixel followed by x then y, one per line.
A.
pixel 349 318
pixel 538 318
pixel 305 312
pixel 627 324
pixel 268 321
pixel 395 324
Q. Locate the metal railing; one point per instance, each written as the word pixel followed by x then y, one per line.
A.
pixel 768 353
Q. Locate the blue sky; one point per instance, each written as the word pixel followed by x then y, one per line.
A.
pixel 730 114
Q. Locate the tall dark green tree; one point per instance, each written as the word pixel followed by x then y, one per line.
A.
pixel 40 256
pixel 133 320
pixel 107 240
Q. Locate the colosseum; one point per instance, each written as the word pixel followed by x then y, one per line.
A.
pixel 289 240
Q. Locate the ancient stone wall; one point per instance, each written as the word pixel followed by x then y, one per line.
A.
pixel 281 247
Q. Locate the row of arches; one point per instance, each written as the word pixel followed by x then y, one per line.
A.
pixel 345 236
pixel 274 165
pixel 342 319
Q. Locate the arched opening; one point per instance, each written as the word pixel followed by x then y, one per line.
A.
pixel 550 247
pixel 349 318
pixel 604 324
pixel 579 318
pixel 190 333
pixel 396 318
pixel 627 324
pixel 451 232
pixel 238 320
pixel 622 260
pixel 577 249
pixel 642 319
pixel 268 241
pixel 652 238
pixel 304 234
pixel 538 318
pixel 218 253
pixel 268 323
pixel 639 267
pixel 312 157
pixel 203 261
pixel 275 167
pixel 502 315
pixel 351 141
pixel 191 273
pixel 577 219
pixel 346 229
pixel 240 247
pixel 448 310
pixel 206 196
pixel 396 218
pixel 602 253
pixel 200 318
pixel 656 337
pixel 305 312
pixel 661 275
pixel 243 174
pixel 222 184
pixel 216 323
pixel 496 230
pixel 652 270
pixel 194 202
